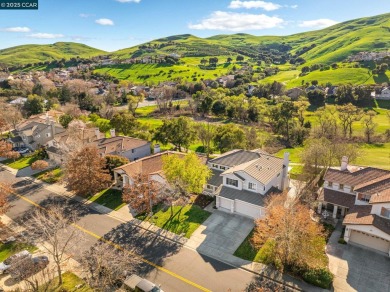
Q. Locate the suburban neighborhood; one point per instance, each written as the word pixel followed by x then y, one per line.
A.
pixel 227 146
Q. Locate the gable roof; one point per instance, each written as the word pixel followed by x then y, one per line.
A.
pixel 245 196
pixel 361 215
pixel 148 165
pixel 237 157
pixel 262 169
pixel 118 143
pixel 360 177
pixel 337 198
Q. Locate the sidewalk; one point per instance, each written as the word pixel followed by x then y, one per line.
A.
pixel 123 215
pixel 69 264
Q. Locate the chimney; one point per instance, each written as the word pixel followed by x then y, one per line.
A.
pixel 97 133
pixel 286 158
pixel 53 129
pixel 156 148
pixel 112 133
pixel 344 163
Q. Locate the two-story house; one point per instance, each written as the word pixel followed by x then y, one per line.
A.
pixel 241 180
pixel 360 195
pixel 35 134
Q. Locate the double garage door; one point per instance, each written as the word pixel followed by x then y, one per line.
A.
pixel 370 241
pixel 241 207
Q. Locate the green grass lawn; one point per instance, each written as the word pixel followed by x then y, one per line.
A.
pixel 50 176
pixel 70 281
pixel 146 110
pixel 109 198
pixel 246 251
pixel 376 155
pixel 9 249
pixel 185 219
pixel 22 162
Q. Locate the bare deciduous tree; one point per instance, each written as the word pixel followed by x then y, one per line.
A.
pixel 369 125
pixel 105 267
pixel 52 228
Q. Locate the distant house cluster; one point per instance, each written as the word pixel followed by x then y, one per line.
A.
pixel 368 56
pixel 384 94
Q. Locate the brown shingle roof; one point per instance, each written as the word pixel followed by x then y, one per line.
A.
pixel 147 165
pixel 382 197
pixel 337 198
pixel 359 177
pixel 118 143
pixel 360 215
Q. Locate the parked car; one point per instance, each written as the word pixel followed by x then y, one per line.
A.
pixel 4 266
pixel 23 150
pixel 138 284
pixel 28 267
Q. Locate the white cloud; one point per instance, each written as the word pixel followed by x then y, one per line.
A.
pixel 320 23
pixel 16 29
pixel 129 1
pixel 42 35
pixel 295 6
pixel 86 15
pixel 268 6
pixel 220 20
pixel 104 21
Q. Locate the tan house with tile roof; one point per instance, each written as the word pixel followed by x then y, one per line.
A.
pixel 241 180
pixel 150 165
pixel 361 197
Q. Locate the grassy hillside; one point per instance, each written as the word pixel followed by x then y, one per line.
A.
pixel 27 54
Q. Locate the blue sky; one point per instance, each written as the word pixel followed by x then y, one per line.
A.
pixel 114 24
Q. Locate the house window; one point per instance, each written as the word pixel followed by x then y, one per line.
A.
pixel 341 187
pixel 232 182
pixel 365 198
pixel 132 150
pixel 209 187
pixel 385 212
pixel 252 186
pixel 222 167
pixel 214 165
pixel 330 184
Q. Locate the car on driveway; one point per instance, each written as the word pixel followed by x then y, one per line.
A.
pixel 23 150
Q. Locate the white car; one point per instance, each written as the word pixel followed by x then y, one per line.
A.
pixel 4 268
pixel 136 283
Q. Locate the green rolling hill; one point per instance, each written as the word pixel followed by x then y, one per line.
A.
pixel 29 54
pixel 326 46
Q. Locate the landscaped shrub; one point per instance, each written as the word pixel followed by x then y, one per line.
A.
pixel 266 254
pixel 320 277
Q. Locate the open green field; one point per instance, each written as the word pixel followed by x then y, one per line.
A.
pixel 375 155
pixel 140 73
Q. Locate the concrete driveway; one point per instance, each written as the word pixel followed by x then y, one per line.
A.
pixel 356 268
pixel 221 234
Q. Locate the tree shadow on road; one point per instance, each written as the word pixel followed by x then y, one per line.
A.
pixel 143 243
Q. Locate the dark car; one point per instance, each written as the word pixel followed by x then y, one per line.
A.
pixel 28 267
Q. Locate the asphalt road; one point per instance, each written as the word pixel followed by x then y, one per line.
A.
pixel 178 268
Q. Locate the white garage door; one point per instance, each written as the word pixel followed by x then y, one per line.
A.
pixel 225 203
pixel 248 209
pixel 373 242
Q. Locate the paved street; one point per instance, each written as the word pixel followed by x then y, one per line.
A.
pixel 186 269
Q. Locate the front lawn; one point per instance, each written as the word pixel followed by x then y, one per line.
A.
pixel 70 281
pixel 184 220
pixel 246 250
pixel 109 198
pixel 50 176
pixel 22 162
pixel 9 249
